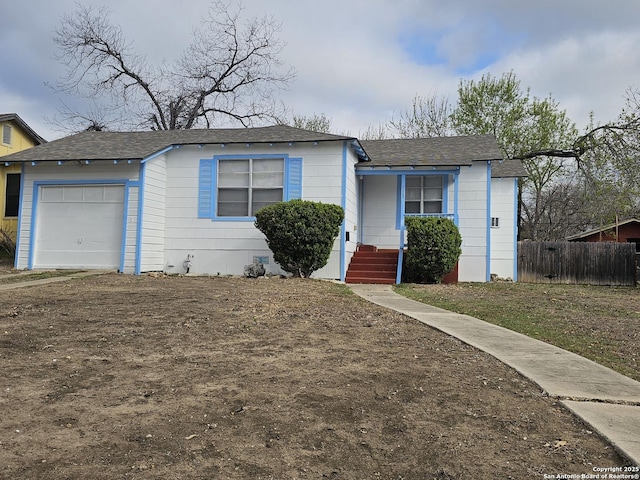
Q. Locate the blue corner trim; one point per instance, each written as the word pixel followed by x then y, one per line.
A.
pixel 515 229
pixel 343 204
pixel 488 224
pixel 138 261
pixel 123 245
pixel 360 223
pixel 34 214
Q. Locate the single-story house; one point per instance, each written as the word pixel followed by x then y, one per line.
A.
pixel 184 200
pixel 16 136
pixel 623 231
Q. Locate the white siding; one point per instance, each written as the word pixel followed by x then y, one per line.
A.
pixel 225 247
pixel 130 247
pixel 379 194
pixel 333 268
pixel 153 216
pixel 503 238
pixel 67 173
pixel 472 213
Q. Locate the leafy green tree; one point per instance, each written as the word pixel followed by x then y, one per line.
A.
pixel 521 125
pixel 496 106
pixel 300 233
pixel 433 249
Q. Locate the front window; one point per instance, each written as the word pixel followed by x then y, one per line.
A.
pixel 12 195
pixel 423 194
pixel 247 185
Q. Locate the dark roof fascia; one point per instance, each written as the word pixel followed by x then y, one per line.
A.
pixel 14 117
pixel 602 229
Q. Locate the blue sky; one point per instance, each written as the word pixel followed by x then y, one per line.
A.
pixel 361 61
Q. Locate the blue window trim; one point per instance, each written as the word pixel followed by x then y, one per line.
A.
pixel 208 183
pixel 36 199
pixel 401 192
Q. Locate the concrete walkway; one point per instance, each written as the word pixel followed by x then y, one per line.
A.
pixel 606 400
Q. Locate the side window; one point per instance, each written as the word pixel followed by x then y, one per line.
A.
pixel 12 195
pixel 6 134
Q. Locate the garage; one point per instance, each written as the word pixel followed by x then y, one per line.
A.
pixel 79 226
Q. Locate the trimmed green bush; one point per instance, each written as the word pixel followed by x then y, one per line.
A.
pixel 300 233
pixel 433 249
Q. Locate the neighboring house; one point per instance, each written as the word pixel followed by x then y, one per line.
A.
pixel 168 200
pixel 16 136
pixel 625 231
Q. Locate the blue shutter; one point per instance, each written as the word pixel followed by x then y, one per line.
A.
pixel 205 189
pixel 293 189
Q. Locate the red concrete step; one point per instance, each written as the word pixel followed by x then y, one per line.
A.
pixel 372 273
pixel 373 268
pixel 374 257
pixel 372 265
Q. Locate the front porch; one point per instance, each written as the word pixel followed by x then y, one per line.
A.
pixel 372 265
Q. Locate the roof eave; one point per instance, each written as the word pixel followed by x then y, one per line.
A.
pixel 601 229
pixel 14 117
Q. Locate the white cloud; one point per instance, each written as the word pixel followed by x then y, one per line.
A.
pixel 357 60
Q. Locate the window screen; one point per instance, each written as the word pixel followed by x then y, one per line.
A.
pixel 247 185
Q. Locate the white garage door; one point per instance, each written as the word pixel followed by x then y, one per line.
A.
pixel 79 226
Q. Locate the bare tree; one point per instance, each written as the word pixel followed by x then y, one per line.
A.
pixel 428 117
pixel 316 123
pixel 228 74
pixel 375 132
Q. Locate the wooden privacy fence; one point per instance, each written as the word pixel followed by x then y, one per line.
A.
pixel 590 263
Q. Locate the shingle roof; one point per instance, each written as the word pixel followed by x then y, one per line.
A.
pixel 139 145
pixel 441 151
pixel 445 151
pixel 508 169
pixel 13 117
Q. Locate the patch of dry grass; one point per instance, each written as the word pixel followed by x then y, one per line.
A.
pixel 599 323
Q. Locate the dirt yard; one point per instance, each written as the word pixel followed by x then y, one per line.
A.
pixel 204 378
